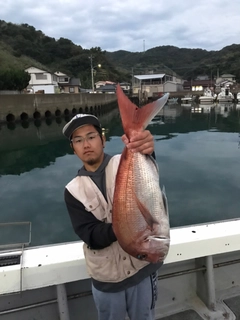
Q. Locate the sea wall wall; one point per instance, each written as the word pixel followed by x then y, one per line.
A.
pixel 23 107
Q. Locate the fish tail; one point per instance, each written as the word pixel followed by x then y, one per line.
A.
pixel 134 118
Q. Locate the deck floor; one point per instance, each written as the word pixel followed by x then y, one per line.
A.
pixel 232 303
pixel 185 315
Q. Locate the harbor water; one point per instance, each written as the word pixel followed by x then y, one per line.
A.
pixel 197 149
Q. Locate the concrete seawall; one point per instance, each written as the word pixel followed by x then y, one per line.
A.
pixel 23 107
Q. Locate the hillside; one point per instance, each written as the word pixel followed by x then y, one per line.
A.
pixel 9 60
pixel 22 46
pixel 188 63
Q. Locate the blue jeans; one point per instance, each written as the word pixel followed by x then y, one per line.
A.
pixel 137 302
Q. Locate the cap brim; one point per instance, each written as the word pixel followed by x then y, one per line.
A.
pixel 78 122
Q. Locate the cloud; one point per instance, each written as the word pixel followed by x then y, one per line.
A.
pixel 128 25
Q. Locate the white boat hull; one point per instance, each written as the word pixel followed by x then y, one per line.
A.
pixel 225 99
pixel 172 100
pixel 208 96
pixel 225 95
pixel 201 273
pixel 186 100
pixel 206 99
pixel 238 97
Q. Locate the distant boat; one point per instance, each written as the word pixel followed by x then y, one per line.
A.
pixel 188 98
pixel 225 95
pixel 208 96
pixel 158 119
pixel 238 97
pixel 172 100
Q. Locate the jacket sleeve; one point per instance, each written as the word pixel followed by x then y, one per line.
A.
pixel 95 233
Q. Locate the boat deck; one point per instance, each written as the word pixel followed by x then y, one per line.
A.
pixel 232 303
pixel 200 279
pixel 185 315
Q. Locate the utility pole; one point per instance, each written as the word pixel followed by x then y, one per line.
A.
pixel 132 80
pixel 91 63
pixel 92 69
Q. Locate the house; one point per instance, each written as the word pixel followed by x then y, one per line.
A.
pixel 62 77
pixel 98 84
pixel 199 84
pixel 67 84
pixel 73 86
pixel 151 85
pixel 46 82
pixel 110 87
pixel 126 87
pixel 225 80
pixel 42 81
pixel 229 77
pixel 202 77
pixel 103 83
pixel 107 88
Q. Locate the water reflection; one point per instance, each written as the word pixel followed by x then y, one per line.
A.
pixel 197 150
pixel 37 144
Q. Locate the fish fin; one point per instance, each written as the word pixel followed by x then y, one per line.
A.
pixel 154 163
pixel 134 118
pixel 165 200
pixel 146 214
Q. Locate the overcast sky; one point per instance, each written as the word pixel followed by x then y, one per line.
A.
pixel 132 25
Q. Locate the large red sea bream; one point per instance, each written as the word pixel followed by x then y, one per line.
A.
pixel 140 220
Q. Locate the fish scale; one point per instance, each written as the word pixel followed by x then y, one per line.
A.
pixel 146 181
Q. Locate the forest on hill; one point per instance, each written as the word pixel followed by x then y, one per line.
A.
pixel 22 46
pixel 187 63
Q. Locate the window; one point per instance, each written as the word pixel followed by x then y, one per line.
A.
pixel 197 88
pixel 71 90
pixel 41 76
pixel 62 79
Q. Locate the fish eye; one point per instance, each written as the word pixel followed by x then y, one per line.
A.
pixel 141 256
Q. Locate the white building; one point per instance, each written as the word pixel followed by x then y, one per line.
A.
pixel 224 81
pixel 99 84
pixel 42 81
pixel 67 84
pixel 151 85
pixel 62 77
pixel 126 87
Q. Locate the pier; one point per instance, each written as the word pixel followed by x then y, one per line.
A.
pixel 24 107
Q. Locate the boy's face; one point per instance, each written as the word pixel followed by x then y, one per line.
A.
pixel 88 146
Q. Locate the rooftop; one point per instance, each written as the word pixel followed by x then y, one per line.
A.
pixel 149 76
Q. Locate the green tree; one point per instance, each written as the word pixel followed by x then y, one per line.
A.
pixel 14 79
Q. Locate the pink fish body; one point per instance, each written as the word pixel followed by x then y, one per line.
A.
pixel 140 218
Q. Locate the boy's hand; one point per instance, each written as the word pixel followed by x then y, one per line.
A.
pixel 140 142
